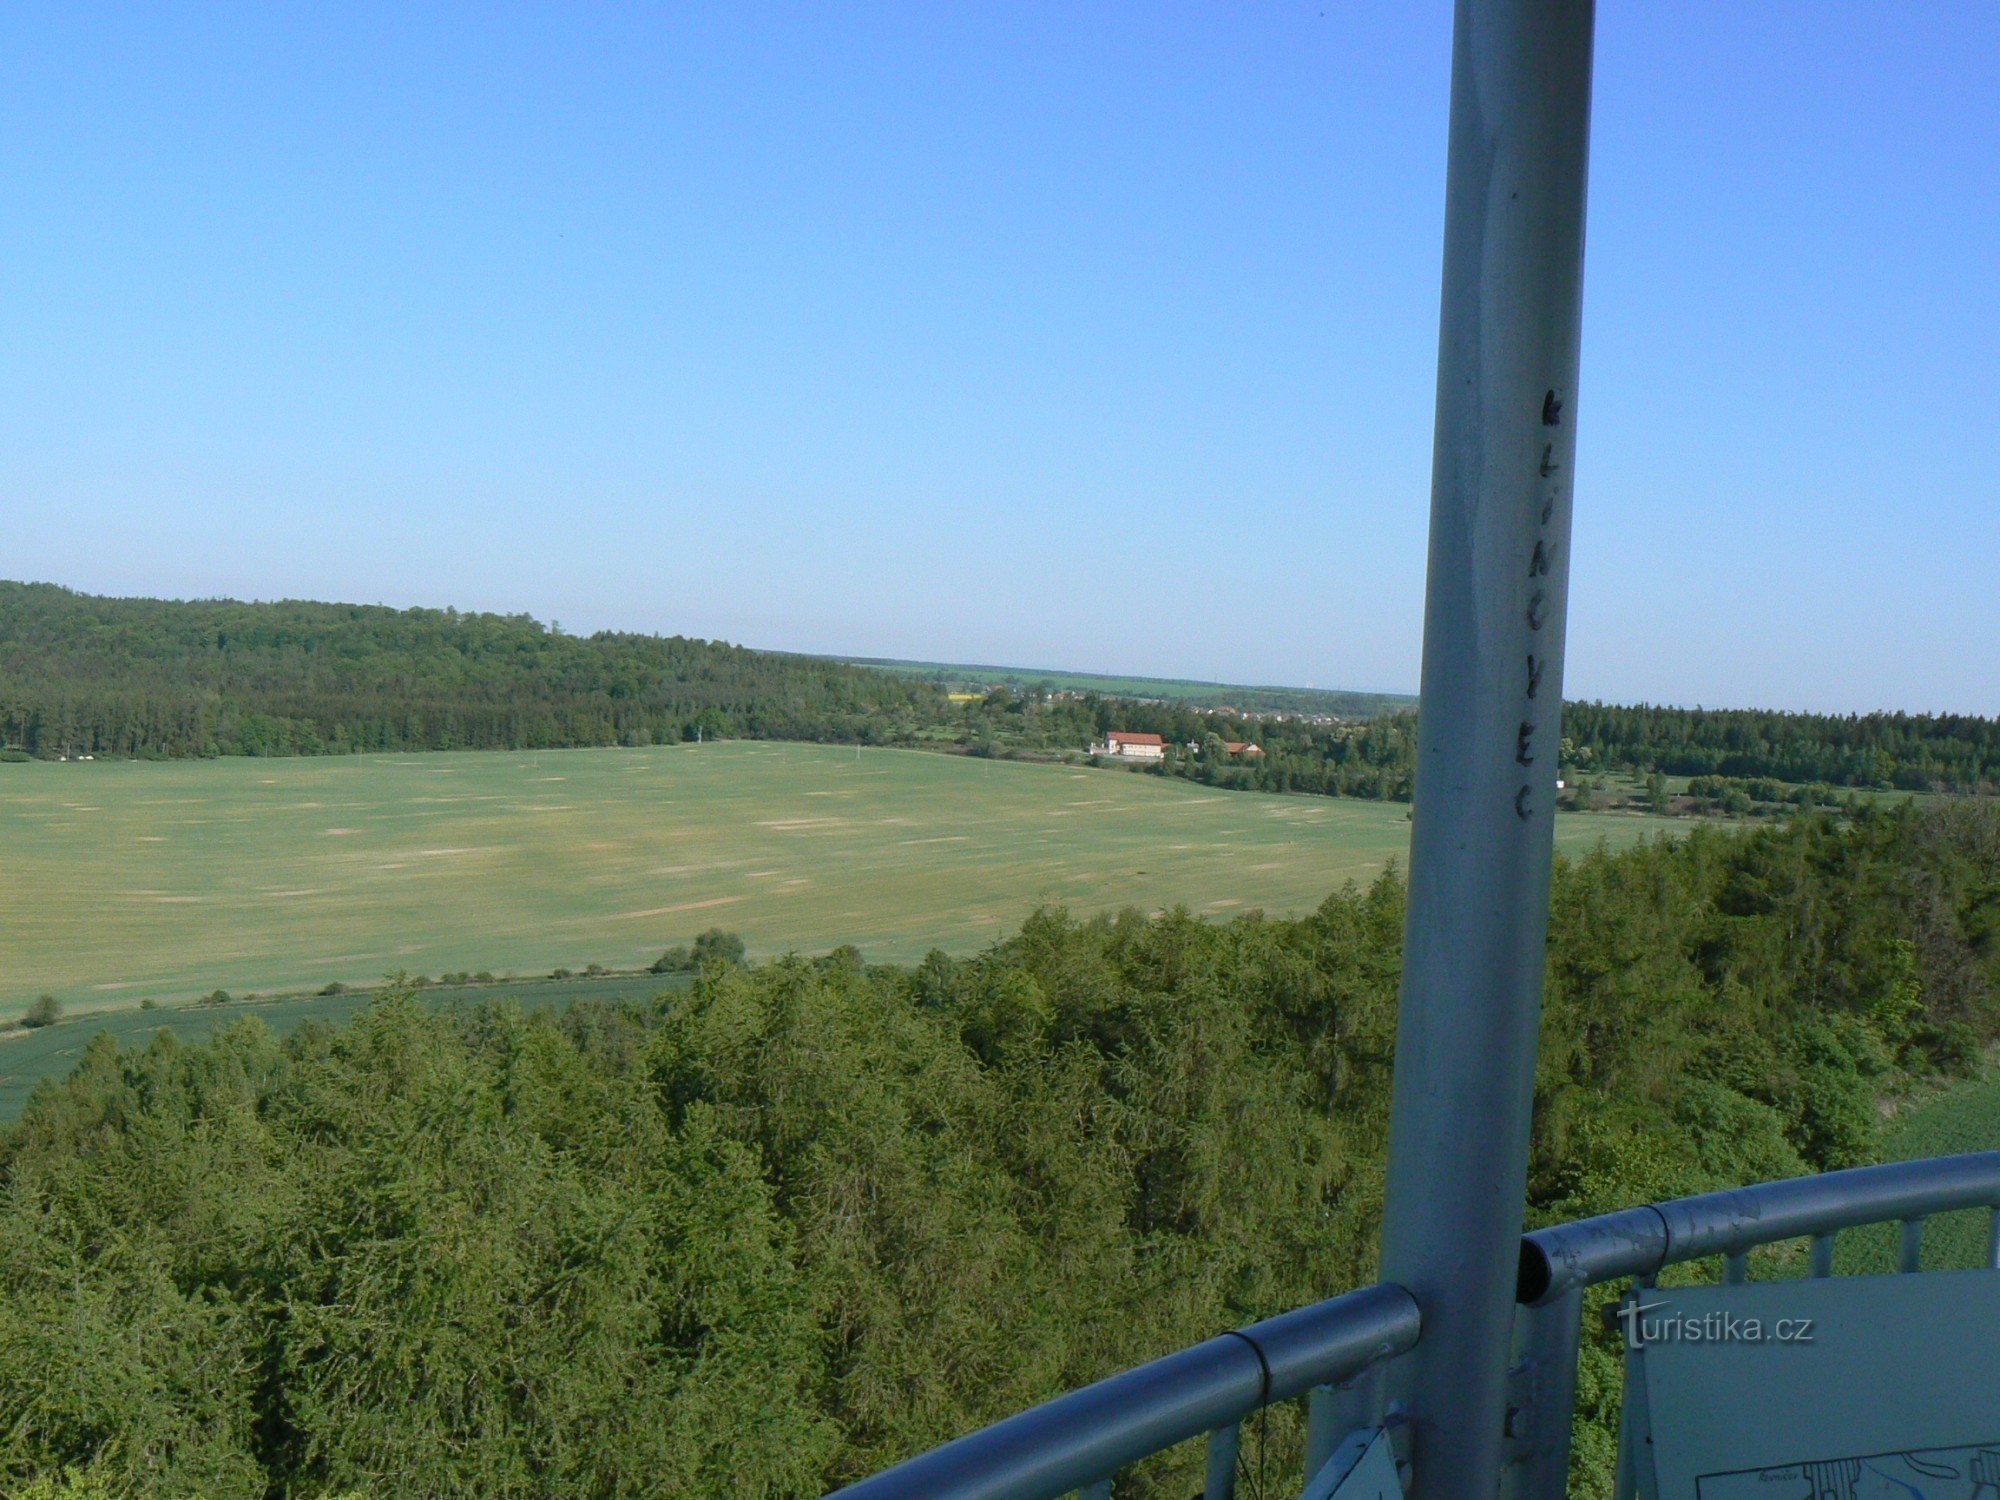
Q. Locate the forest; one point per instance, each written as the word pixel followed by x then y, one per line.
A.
pixel 158 679
pixel 768 1233
pixel 82 675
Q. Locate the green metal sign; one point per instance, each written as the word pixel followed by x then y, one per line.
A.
pixel 1838 1388
pixel 1364 1468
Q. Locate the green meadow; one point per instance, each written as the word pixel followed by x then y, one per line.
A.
pixel 123 880
pixel 28 1056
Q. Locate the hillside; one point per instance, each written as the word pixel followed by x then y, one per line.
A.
pixel 167 679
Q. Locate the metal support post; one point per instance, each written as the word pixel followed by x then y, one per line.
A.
pixel 1489 729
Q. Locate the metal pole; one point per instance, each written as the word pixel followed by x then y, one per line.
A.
pixel 1489 726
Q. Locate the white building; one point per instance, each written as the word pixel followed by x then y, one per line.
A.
pixel 1132 746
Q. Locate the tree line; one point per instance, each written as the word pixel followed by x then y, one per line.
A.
pixel 167 679
pixel 807 1217
pixel 81 675
pixel 1910 752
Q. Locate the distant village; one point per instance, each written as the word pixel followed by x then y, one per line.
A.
pixel 1126 746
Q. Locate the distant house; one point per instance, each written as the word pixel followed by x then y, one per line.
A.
pixel 1241 747
pixel 1132 746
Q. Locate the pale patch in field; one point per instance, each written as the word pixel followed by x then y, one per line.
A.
pixel 667 911
pixel 176 900
pixel 152 838
pixel 947 838
pixel 334 833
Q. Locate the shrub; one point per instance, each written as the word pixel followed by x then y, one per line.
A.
pixel 559 973
pixel 592 971
pixel 676 960
pixel 717 946
pixel 334 988
pixel 15 757
pixel 149 1004
pixel 215 997
pixel 46 1011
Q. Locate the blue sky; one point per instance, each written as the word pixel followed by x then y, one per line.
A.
pixel 1096 336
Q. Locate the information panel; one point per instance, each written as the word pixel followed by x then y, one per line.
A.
pixel 1362 1468
pixel 1840 1388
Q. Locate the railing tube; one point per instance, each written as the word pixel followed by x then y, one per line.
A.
pixel 1488 730
pixel 1078 1439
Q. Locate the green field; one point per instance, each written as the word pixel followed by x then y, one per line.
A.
pixel 1963 1117
pixel 26 1057
pixel 127 880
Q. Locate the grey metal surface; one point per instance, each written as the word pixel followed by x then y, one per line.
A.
pixel 1638 1241
pixel 1488 731
pixel 1539 1419
pixel 1844 1386
pixel 1083 1437
pixel 1225 1449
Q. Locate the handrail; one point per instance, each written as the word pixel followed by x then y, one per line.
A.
pixel 1086 1436
pixel 1639 1241
pixel 1079 1440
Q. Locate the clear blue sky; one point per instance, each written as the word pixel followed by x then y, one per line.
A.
pixel 1095 336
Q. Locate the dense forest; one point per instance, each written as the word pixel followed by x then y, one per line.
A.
pixel 1910 752
pixel 81 675
pixel 807 1217
pixel 156 678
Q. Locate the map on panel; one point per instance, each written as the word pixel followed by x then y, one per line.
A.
pixel 1968 1473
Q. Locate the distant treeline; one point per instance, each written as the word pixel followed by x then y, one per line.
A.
pixel 1910 752
pixel 767 1234
pixel 1246 700
pixel 160 679
pixel 81 675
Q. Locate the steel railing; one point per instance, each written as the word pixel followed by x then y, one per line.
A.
pixel 1079 1441
pixel 1336 1352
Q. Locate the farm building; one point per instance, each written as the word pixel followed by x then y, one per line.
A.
pixel 1241 747
pixel 1132 746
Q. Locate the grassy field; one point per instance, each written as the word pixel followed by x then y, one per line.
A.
pixel 125 880
pixel 26 1057
pixel 1963 1117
